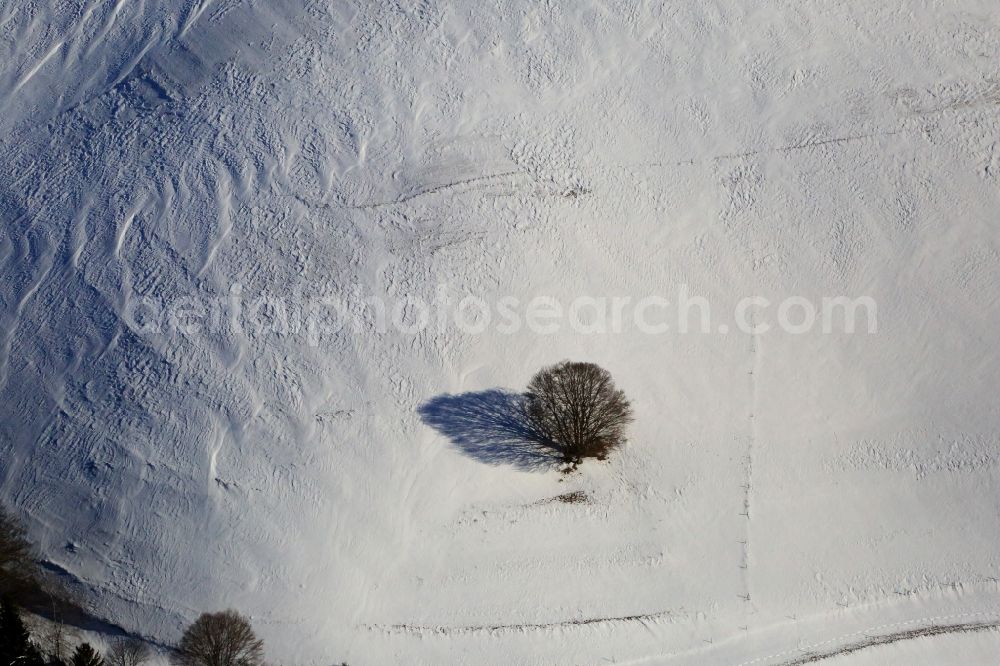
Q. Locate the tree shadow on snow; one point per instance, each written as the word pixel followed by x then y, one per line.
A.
pixel 491 426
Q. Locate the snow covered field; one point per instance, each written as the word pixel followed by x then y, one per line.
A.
pixel 783 497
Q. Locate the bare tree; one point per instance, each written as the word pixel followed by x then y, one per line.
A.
pixel 578 409
pixel 55 639
pixel 127 652
pixel 220 639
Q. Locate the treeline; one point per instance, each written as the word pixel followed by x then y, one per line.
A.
pixel 32 633
pixel 21 646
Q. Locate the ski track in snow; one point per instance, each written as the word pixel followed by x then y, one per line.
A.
pixel 511 177
pixel 813 655
pixel 751 442
pixel 807 651
pixel 928 626
pixel 520 628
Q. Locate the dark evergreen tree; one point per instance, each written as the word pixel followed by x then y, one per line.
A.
pixel 86 655
pixel 16 648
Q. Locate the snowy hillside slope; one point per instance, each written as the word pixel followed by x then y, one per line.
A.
pixel 778 490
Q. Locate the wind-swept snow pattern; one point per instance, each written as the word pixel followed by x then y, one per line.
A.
pixel 340 485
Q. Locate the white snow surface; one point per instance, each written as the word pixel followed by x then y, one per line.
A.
pixel 780 495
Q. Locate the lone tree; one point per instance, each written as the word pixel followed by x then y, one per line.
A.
pixel 578 410
pixel 220 639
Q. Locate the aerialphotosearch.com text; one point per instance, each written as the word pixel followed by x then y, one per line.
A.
pixel 318 317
